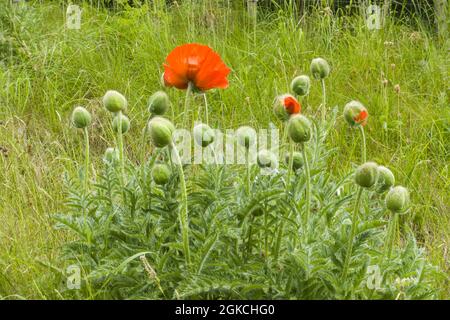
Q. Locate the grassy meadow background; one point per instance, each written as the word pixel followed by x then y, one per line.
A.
pixel 48 69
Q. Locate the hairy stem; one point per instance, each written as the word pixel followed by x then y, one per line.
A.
pixel 308 186
pixel 206 109
pixel 363 144
pixel 352 233
pixel 86 160
pixel 120 147
pixel 391 236
pixel 186 101
pixel 184 219
pixel 247 162
pixel 324 99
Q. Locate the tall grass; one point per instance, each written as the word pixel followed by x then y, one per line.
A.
pixel 54 68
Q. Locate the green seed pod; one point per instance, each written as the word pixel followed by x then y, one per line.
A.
pixel 366 175
pixel 159 103
pixel 266 159
pixel 320 68
pixel 204 135
pixel 161 173
pixel 297 162
pixel 81 118
pixel 355 113
pixel 257 211
pixel 300 85
pixel 386 179
pixel 114 101
pixel 397 199
pixel 246 136
pixel 160 130
pixel 125 123
pixel 299 129
pixel 111 155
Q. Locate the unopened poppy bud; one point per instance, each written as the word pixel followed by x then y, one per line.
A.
pixel 320 68
pixel 111 155
pixel 299 129
pixel 122 120
pixel 266 159
pixel 300 85
pixel 114 101
pixel 397 88
pixel 397 199
pixel 355 113
pixel 257 211
pixel 366 175
pixel 81 118
pixel 297 160
pixel 204 135
pixel 161 173
pixel 159 103
pixel 160 130
pixel 286 105
pixel 246 136
pixel 386 179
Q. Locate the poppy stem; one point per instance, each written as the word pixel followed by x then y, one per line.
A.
pixel 206 109
pixel 348 254
pixel 183 216
pixel 248 171
pixel 308 187
pixel 390 236
pixel 186 99
pixel 324 99
pixel 120 147
pixel 86 159
pixel 363 145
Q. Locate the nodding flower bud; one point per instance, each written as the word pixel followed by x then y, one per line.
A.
pixel 161 173
pixel 320 68
pixel 114 101
pixel 300 85
pixel 266 159
pixel 111 155
pixel 286 105
pixel 160 130
pixel 81 118
pixel 121 120
pixel 366 175
pixel 397 199
pixel 158 103
pixel 246 136
pixel 355 113
pixel 204 135
pixel 297 160
pixel 386 179
pixel 299 129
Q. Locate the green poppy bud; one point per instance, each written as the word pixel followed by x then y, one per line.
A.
pixel 246 136
pixel 299 129
pixel 159 103
pixel 355 113
pixel 204 135
pixel 300 85
pixel 366 175
pixel 81 118
pixel 161 173
pixel 297 160
pixel 266 159
pixel 125 122
pixel 257 211
pixel 320 68
pixel 386 179
pixel 114 101
pixel 111 155
pixel 160 130
pixel 397 199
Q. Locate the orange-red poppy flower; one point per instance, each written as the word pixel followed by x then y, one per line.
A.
pixel 361 118
pixel 355 113
pixel 291 105
pixel 196 64
pixel 285 106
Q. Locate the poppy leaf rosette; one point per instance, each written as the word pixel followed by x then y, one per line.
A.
pixel 114 101
pixel 246 136
pixel 195 64
pixel 125 123
pixel 81 118
pixel 299 128
pixel 204 135
pixel 355 113
pixel 320 68
pixel 366 175
pixel 285 106
pixel 161 173
pixel 397 199
pixel 160 130
pixel 300 85
pixel 158 103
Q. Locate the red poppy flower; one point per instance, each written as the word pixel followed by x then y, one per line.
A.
pixel 291 105
pixel 197 64
pixel 361 118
